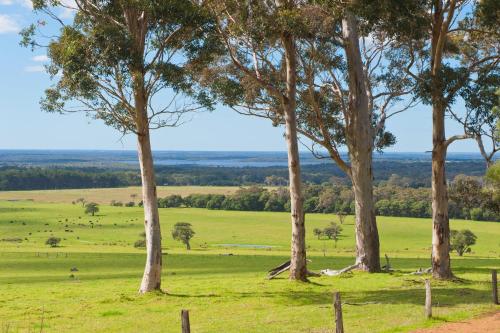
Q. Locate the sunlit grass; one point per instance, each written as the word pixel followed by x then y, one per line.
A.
pixel 223 293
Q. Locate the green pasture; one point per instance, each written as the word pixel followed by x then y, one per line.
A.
pixel 222 279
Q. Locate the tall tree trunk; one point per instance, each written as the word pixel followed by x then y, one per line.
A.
pixel 441 267
pixel 359 136
pixel 367 239
pixel 151 279
pixel 298 268
pixel 137 23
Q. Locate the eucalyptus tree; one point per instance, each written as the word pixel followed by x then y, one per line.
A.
pixel 257 74
pixel 448 61
pixel 350 82
pixel 123 62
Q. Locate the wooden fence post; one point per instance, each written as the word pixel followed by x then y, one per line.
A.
pixel 494 286
pixel 428 299
pixel 186 328
pixel 337 305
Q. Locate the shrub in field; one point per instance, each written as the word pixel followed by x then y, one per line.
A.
pixel 53 241
pixel 461 241
pixel 130 204
pixel 116 203
pixel 140 243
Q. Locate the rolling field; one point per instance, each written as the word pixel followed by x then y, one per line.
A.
pixel 105 195
pixel 224 293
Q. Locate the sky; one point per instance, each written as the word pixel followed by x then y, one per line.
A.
pixel 24 126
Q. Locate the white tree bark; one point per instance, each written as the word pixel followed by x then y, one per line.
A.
pixel 298 267
pixel 151 279
pixel 359 132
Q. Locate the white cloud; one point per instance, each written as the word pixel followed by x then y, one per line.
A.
pixel 24 3
pixel 68 10
pixel 40 58
pixel 8 24
pixel 34 69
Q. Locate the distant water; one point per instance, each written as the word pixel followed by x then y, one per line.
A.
pixel 200 158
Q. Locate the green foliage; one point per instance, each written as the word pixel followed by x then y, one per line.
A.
pixel 183 232
pixel 493 175
pixel 53 241
pixel 415 174
pixel 90 76
pixel 170 201
pixel 461 241
pixel 476 214
pixel 216 201
pixel 467 191
pixel 318 232
pixel 445 84
pixel 333 231
pixel 488 12
pixel 91 208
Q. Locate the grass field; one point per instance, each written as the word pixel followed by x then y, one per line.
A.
pixel 223 293
pixel 105 195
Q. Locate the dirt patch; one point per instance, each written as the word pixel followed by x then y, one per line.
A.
pixel 485 324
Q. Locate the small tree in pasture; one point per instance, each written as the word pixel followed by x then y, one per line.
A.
pixel 317 232
pixel 182 232
pixel 341 216
pixel 333 231
pixel 81 200
pixel 91 208
pixel 53 241
pixel 461 241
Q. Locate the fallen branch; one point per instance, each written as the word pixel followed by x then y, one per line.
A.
pixel 284 267
pixel 421 271
pixel 331 272
pixel 309 273
pixel 278 270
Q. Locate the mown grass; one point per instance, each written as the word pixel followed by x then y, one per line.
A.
pixel 223 293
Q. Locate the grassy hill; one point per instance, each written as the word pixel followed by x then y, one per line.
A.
pixel 224 293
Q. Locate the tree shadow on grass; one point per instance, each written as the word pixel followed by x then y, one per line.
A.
pixel 211 295
pixel 60 278
pixel 440 297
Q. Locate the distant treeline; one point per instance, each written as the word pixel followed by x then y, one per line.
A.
pixel 410 174
pixel 468 200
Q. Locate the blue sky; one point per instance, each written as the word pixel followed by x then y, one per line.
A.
pixel 24 126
